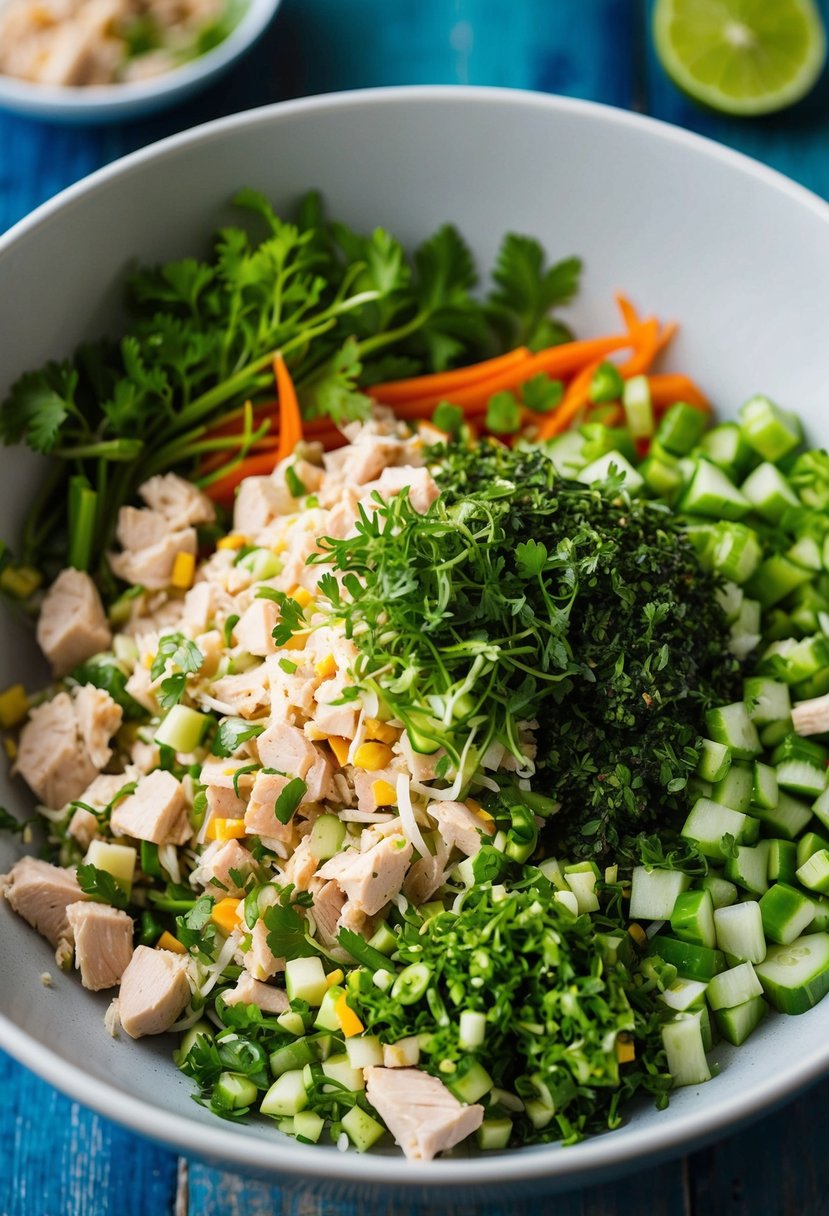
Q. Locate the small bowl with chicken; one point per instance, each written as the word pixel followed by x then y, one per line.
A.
pixel 94 61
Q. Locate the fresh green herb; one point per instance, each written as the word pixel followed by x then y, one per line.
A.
pixel 294 482
pixel 287 929
pixel 9 823
pixel 101 886
pixel 196 931
pixel 361 951
pixel 178 651
pixel 448 418
pixel 228 627
pixel 290 799
pixel 232 733
pixel 503 414
pixel 542 394
pixel 112 679
pixel 606 384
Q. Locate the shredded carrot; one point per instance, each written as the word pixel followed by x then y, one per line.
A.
pixel 630 316
pixel 443 384
pixel 290 418
pixel 647 348
pixel 671 387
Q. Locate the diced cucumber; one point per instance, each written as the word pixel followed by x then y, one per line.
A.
pixel 691 961
pixel 636 399
pixel 725 446
pixel 662 475
pixel 685 1050
pixel 472 1086
pixel 733 987
pixel 808 844
pixel 654 893
pixel 814 873
pixel 287 1096
pixel 736 787
pixel 749 867
pixel 362 1130
pixel 684 994
pixel 364 1050
pixel 801 777
pixel 769 493
pixel 581 879
pixel 714 761
pixel 820 923
pixel 305 980
pixel 708 822
pixel 821 808
pixel 681 428
pixel 796 976
pixel 692 919
pixel 235 1091
pixel 293 1057
pixel 338 1068
pixel 261 563
pixel 565 453
pixel 292 1022
pixel 765 791
pixel 767 700
pixel 600 469
pixel 383 939
pixel 786 820
pixel 494 1134
pixel 201 1029
pixel 327 836
pixel 183 729
pixel 775 578
pixel 735 1025
pixel 740 931
pixel 736 552
pixel 308 1125
pixel 711 493
pixel 327 1018
pixel 117 859
pixel 770 430
pixel 771 734
pixel 723 893
pixel 731 725
pixel 786 912
pixel 782 860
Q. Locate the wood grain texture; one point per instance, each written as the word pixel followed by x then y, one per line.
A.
pixel 58 1159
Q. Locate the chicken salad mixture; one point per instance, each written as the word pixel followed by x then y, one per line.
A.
pixel 77 43
pixel 456 768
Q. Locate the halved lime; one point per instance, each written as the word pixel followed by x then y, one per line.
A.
pixel 741 56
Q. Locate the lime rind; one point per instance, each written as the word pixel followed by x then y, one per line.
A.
pixel 699 46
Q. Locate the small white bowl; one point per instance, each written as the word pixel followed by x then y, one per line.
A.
pixel 113 102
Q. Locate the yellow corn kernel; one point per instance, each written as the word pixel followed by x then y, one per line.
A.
pixel 225 829
pixel 383 793
pixel 381 731
pixel 224 914
pixel 339 747
pixel 297 642
pixel 13 706
pixel 168 942
pixel 625 1049
pixel 314 733
pixel 372 756
pixel 335 977
pixel 350 1024
pixel 278 546
pixel 302 596
pixel 638 934
pixel 234 540
pixel 184 570
pixel 326 668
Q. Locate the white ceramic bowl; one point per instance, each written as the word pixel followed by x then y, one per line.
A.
pixel 736 253
pixel 114 102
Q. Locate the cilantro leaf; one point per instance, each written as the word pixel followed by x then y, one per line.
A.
pixel 287 929
pixel 101 886
pixel 178 651
pixel 290 799
pixel 38 405
pixel 526 288
pixel 541 394
pixel 530 557
pixel 232 733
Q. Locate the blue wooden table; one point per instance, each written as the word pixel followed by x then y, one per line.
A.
pixel 58 1159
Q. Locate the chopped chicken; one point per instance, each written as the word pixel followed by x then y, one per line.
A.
pixel 83 827
pixel 199 606
pixel 331 718
pixel 99 717
pixel 152 565
pixel 370 879
pixel 245 694
pixel 72 625
pixel 154 991
pixel 301 865
pixel 260 817
pixel 328 905
pixel 103 943
pixel 222 863
pixel 422 487
pixel 419 1111
pixel 157 811
pixel 254 629
pixel 260 960
pixel 461 827
pixel 258 503
pixel 286 749
pixel 178 501
pixel 51 757
pixel 41 893
pixel 249 991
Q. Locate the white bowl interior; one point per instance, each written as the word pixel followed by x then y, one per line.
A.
pixel 111 102
pixel 735 253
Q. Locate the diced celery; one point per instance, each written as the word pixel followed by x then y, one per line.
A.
pixel 787 819
pixel 691 961
pixel 749 867
pixel 765 791
pixel 712 493
pixel 767 700
pixel 768 492
pixel 708 822
pixel 782 861
pixel 722 892
pixel 731 725
pixel 733 987
pixel 681 428
pixel 684 994
pixel 293 1057
pixel 809 844
pixel 714 761
pixel 814 873
pixel 736 551
pixel 775 578
pixel 685 1050
pixel 735 788
pixel 364 1050
pixel 692 919
pixel 770 430
pixel 494 1134
pixel 801 777
pixel 636 399
pixel 654 893
pixel 338 1068
pixel 308 1125
pixel 472 1086
pixel 725 446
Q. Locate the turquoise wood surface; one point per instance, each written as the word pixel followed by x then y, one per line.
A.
pixel 58 1159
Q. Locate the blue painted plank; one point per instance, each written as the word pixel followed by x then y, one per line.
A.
pixel 57 1157
pixel 795 141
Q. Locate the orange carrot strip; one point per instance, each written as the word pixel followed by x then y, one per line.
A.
pixel 290 418
pixel 629 315
pixel 670 387
pixel 647 348
pixel 557 362
pixel 223 489
pixel 443 383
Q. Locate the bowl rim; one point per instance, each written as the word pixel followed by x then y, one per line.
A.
pixel 53 100
pixel 600 1156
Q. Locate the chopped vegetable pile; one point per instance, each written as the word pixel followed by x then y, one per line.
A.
pixel 441 747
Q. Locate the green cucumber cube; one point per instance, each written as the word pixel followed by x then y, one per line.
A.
pixel 765 791
pixel 749 867
pixel 731 725
pixel 713 494
pixel 769 493
pixel 814 873
pixel 723 893
pixel 362 1130
pixel 691 961
pixel 708 822
pixel 767 700
pixel 287 1096
pixel 809 844
pixel 770 430
pixel 796 976
pixel 735 1025
pixel 692 919
pixel 782 861
pixel 714 761
pixel 786 912
pixel 786 820
pixel 685 1049
pixel 740 931
pixel 599 470
pixel 654 893
pixel 736 787
pixel 494 1134
pixel 733 987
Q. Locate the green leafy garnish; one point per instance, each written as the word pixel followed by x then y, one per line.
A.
pixel 232 733
pixel 177 651
pixel 101 886
pixel 287 930
pixel 290 799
